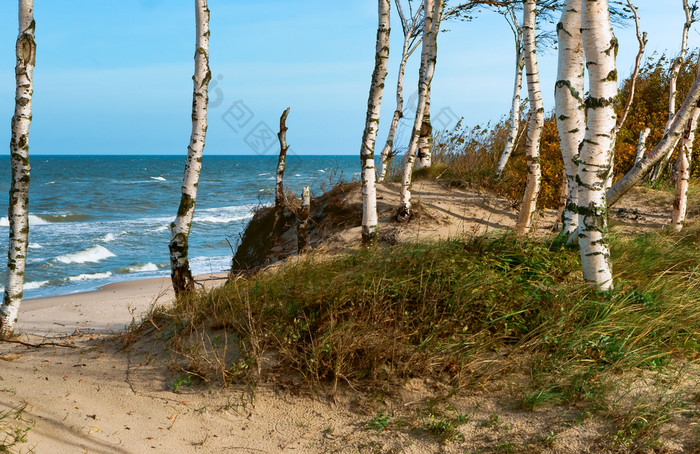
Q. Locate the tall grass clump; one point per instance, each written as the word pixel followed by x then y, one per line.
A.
pixel 460 310
pixel 468 157
pixel 13 430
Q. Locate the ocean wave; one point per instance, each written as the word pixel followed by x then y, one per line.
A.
pixel 225 215
pixel 93 254
pixel 143 268
pixel 223 219
pixel 33 220
pixel 66 217
pixel 90 277
pixel 35 246
pixel 158 179
pixel 205 265
pixel 108 238
pixel 34 285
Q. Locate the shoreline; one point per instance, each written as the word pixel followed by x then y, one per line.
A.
pixel 108 309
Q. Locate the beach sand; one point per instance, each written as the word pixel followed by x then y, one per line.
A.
pixel 106 310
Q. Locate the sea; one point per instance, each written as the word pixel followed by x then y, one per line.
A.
pixel 96 220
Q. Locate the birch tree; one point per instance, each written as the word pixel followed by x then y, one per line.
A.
pixel 433 15
pixel 673 83
pixel 18 212
pixel 600 47
pixel 534 133
pixel 180 229
pixel 668 141
pixel 369 191
pixel 514 24
pixel 680 202
pixel 411 41
pixel 570 110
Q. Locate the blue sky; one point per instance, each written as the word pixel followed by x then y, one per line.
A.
pixel 114 77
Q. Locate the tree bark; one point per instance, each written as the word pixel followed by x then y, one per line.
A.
pixel 600 47
pixel 180 229
pixel 370 224
pixel 433 13
pixel 669 140
pixel 517 89
pixel 281 162
pixel 408 48
pixel 303 220
pixel 680 203
pixel 570 109
pixel 425 138
pixel 534 134
pixel 642 145
pixel 18 211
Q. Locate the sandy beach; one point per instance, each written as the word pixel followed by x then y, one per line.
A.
pixel 107 310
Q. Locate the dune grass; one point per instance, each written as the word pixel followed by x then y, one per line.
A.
pixel 13 430
pixel 459 310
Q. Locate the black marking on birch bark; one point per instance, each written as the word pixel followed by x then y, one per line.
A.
pixel 572 90
pixel 598 103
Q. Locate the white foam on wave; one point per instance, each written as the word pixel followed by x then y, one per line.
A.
pixel 108 238
pixel 143 268
pixel 35 246
pixel 321 170
pixel 34 285
pixel 205 265
pixel 33 220
pixel 225 215
pixel 93 254
pixel 90 277
pixel 263 174
pixel 158 178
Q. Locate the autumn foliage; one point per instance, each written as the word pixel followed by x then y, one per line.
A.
pixel 469 155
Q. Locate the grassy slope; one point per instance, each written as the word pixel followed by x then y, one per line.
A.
pixel 465 311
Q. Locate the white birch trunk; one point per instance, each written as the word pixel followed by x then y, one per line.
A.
pixel 408 49
pixel 570 110
pixel 387 152
pixel 18 212
pixel 642 145
pixel 642 40
pixel 673 82
pixel 669 140
pixel 433 13
pixel 680 203
pixel 534 134
pixel 369 191
pixel 600 47
pixel 517 89
pixel 180 229
pixel 425 139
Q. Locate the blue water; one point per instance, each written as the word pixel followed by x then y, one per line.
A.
pixel 101 219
